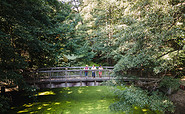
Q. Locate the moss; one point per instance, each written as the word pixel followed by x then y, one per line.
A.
pixel 73 100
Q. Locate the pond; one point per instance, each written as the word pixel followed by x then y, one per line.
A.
pixel 71 100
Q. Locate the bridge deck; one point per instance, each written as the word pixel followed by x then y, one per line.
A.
pixel 52 76
pixel 77 79
pixel 89 79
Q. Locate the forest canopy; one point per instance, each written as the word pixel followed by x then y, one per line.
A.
pixel 143 35
pixel 33 35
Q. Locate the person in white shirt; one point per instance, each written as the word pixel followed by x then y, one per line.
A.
pixel 93 72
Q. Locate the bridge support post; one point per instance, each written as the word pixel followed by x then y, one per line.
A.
pixel 50 79
pixel 66 73
pixel 95 82
pixel 80 83
pixel 66 84
pixel 106 72
pixel 80 73
pixel 109 74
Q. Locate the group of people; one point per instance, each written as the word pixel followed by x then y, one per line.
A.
pixel 93 68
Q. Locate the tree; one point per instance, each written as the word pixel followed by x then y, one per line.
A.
pixel 151 40
pixel 100 18
pixel 141 34
pixel 32 34
pixel 153 35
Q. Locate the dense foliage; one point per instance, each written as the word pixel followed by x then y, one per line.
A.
pixel 132 97
pixel 152 37
pixel 4 104
pixel 135 34
pixel 140 37
pixel 33 34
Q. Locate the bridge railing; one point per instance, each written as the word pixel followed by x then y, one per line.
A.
pixel 71 68
pixel 70 72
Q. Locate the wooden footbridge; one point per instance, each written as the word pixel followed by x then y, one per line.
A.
pixel 69 76
pixel 73 76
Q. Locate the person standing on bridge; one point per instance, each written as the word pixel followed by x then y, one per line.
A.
pixel 86 72
pixel 93 72
pixel 100 71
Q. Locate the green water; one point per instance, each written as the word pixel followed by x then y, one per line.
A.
pixel 71 100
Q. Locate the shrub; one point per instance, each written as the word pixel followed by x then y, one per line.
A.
pixel 4 104
pixel 131 97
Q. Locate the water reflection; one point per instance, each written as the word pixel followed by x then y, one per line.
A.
pixel 69 84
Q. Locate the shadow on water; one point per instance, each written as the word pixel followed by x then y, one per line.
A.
pixel 69 84
pixel 71 100
pixel 68 100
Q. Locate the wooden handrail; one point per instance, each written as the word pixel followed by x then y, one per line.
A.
pixel 47 71
pixel 57 73
pixel 54 68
